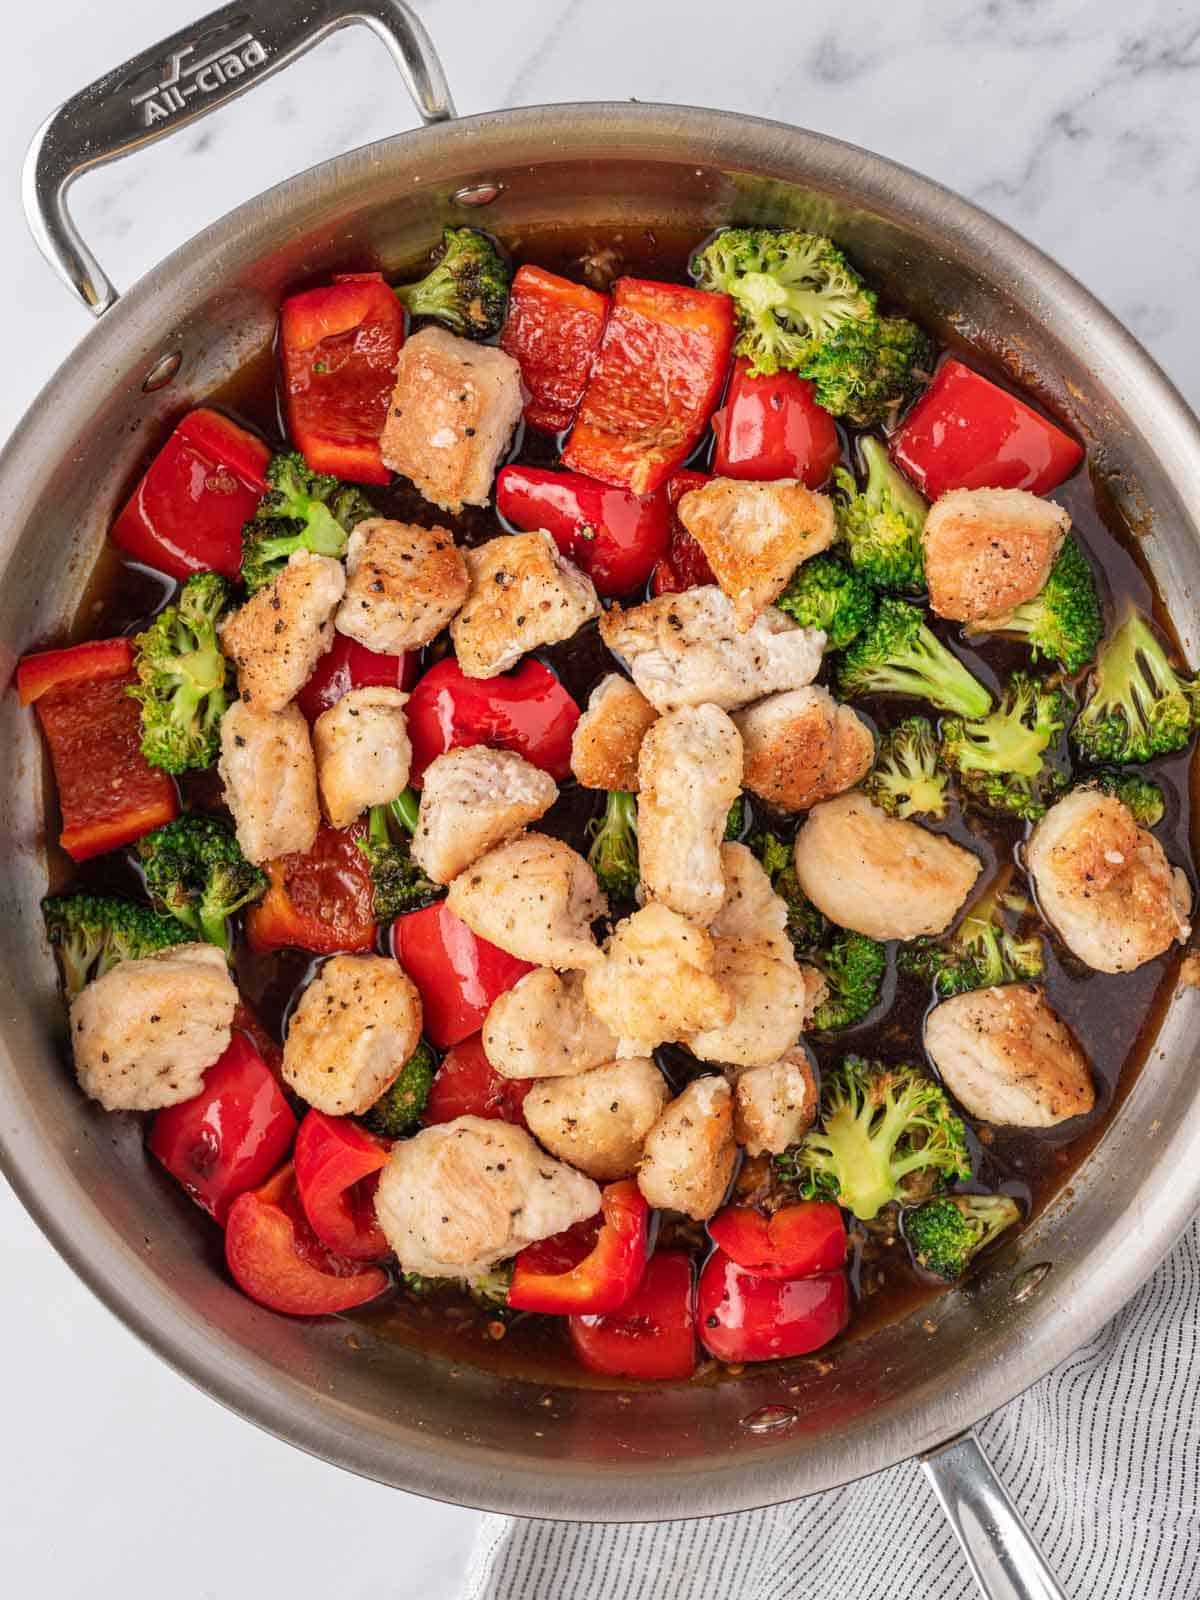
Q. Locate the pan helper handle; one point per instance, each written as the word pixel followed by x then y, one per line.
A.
pixel 175 83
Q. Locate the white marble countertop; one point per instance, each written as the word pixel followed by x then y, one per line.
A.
pixel 1078 121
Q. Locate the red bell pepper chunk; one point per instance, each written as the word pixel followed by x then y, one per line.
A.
pixel 967 433
pixel 612 535
pixel 108 792
pixel 772 427
pixel 743 1316
pixel 319 899
pixel 337 1166
pixel 656 378
pixel 231 1136
pixel 277 1259
pixel 187 512
pixel 684 566
pixel 551 1276
pixel 526 710
pixel 552 331
pixel 653 1335
pixel 349 665
pixel 458 974
pixel 338 348
pixel 467 1085
pixel 797 1241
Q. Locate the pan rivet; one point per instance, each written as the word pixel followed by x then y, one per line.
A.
pixel 1028 1283
pixel 477 194
pixel 161 373
pixel 767 1418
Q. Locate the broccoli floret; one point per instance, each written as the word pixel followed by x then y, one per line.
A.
pixel 1063 621
pixel 491 1288
pixel 196 872
pixel 1143 797
pixel 183 678
pixel 301 510
pixel 400 885
pixel 735 822
pixel 1004 761
pixel 399 1107
pixel 880 526
pixel 853 966
pixel 1139 706
pixel 883 1129
pixel 906 780
pixel 825 594
pixel 467 289
pixel 90 933
pixel 947 1233
pixel 613 856
pixel 980 953
pixel 897 654
pixel 806 926
pixel 870 369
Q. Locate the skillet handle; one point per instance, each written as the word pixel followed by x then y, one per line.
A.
pixel 1005 1562
pixel 175 83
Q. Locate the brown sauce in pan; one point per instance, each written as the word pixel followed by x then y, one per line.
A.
pixel 1115 1017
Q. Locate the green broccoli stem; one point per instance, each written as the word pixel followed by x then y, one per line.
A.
pixel 406 809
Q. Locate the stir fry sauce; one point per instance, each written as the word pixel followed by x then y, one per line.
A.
pixel 1114 1017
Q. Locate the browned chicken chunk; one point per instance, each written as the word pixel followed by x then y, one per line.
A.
pixel 543 1028
pixel 775 1105
pixel 403 585
pixel 362 752
pixel 609 734
pixel 689 774
pixel 472 799
pixel 276 639
pixel 988 550
pixel 802 747
pixel 687 1159
pixel 524 594
pixel 355 1026
pixel 270 780
pixel 598 1121
pixel 657 981
pixel 773 1000
pixel 534 897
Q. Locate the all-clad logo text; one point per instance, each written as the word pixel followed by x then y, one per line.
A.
pixel 186 79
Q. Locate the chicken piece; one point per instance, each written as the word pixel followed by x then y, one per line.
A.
pixel 403 585
pixel 456 1198
pixel 276 639
pixel 145 1033
pixel 773 1000
pixel 362 752
pixel 1007 1058
pixel 988 550
pixel 657 981
pixel 453 411
pixel 1105 884
pixel 270 780
pixel 755 535
pixel 751 910
pixel 802 747
pixel 683 650
pixel 687 1159
pixel 689 774
pixel 524 594
pixel 542 1028
pixel 598 1120
pixel 609 734
pixel 774 1105
pixel 880 875
pixel 534 897
pixel 355 1026
pixel 472 799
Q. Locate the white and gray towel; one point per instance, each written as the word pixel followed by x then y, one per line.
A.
pixel 1102 1457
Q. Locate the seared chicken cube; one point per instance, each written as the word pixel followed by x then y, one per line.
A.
pixel 1105 884
pixel 276 639
pixel 687 1159
pixel 543 1028
pixel 755 535
pixel 989 550
pixel 534 897
pixel 472 799
pixel 657 981
pixel 524 594
pixel 773 1000
pixel 403 585
pixel 684 650
pixel 270 780
pixel 802 747
pixel 751 910
pixel 775 1105
pixel 145 1033
pixel 1007 1058
pixel 689 774
pixel 456 1198
pixel 598 1120
pixel 453 411
pixel 880 875
pixel 609 734
pixel 355 1026
pixel 362 751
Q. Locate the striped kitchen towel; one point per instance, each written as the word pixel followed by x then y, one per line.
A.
pixel 1102 1457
